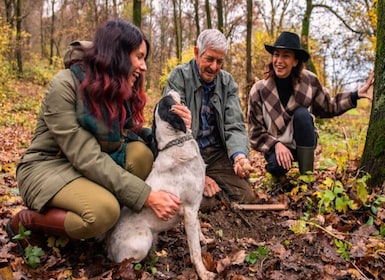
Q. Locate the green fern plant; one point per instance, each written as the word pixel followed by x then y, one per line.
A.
pixel 343 248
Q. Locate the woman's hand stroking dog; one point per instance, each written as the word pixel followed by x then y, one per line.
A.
pixel 164 204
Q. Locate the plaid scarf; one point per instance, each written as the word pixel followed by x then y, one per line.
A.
pixel 110 137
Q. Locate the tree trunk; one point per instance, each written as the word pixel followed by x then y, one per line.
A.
pixel 249 73
pixel 373 158
pixel 43 52
pixel 305 33
pixel 137 13
pixel 208 14
pixel 18 38
pixel 8 11
pixel 114 8
pixel 150 58
pixel 196 11
pixel 177 26
pixel 52 29
pixel 220 16
pixel 92 13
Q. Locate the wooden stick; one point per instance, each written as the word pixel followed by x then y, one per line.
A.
pixel 268 207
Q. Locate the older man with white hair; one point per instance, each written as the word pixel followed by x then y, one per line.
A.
pixel 218 125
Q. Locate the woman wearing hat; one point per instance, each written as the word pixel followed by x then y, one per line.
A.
pixel 282 107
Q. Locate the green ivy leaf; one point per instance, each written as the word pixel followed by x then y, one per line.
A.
pixel 341 205
pixel 22 234
pixel 153 270
pixel 328 197
pixel 299 227
pixel 374 209
pixel 338 189
pixel 328 182
pixel 263 251
pixel 251 258
pixel 362 193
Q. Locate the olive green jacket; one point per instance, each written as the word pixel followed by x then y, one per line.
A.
pixel 225 99
pixel 62 150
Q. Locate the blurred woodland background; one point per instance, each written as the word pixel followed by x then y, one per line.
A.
pixel 339 34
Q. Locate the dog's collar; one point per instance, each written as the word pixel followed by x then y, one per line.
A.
pixel 177 141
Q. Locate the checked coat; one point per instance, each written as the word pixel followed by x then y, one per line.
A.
pixel 270 122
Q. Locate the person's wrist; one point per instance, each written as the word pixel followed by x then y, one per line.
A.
pixel 239 157
pixel 147 203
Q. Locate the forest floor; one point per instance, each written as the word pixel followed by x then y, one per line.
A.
pixel 333 227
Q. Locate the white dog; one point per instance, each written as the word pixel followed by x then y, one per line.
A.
pixel 178 169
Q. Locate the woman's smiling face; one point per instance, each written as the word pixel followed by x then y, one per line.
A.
pixel 138 61
pixel 283 62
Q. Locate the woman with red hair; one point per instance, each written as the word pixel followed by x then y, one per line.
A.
pixel 88 155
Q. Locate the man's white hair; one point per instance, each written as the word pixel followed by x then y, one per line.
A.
pixel 212 38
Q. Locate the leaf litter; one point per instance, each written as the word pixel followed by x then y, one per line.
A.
pixel 300 242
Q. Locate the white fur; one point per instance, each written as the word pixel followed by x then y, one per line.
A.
pixel 180 170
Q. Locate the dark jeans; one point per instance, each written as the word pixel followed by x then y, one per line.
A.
pixel 304 135
pixel 220 168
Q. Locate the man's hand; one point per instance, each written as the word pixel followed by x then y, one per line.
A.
pixel 183 112
pixel 211 187
pixel 242 166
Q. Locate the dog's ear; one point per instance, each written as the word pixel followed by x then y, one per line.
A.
pixel 164 107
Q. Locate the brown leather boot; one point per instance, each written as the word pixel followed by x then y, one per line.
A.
pixel 51 222
pixel 12 229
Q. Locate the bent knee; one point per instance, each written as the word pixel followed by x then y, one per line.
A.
pixel 106 216
pixel 139 159
pixel 94 222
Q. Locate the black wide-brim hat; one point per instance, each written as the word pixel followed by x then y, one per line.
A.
pixel 289 40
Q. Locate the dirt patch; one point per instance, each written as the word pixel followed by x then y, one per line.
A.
pixel 295 243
